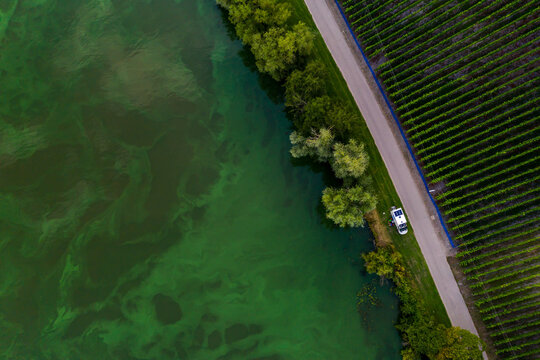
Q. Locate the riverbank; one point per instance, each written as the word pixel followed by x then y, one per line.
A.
pixel 382 183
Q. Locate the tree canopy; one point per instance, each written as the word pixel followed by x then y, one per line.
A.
pixel 440 343
pixel 346 206
pixel 318 146
pixel 350 160
pixel 460 344
pixel 387 263
pixel 277 50
pixel 302 86
pixel 425 336
pixel 437 342
pixel 344 121
pixel 316 112
pixel 253 17
pixel 263 25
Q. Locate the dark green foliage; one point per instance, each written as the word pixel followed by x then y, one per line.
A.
pixel 316 114
pixel 345 123
pixel 460 344
pixel 325 111
pixel 302 86
pixel 307 100
pixel 424 335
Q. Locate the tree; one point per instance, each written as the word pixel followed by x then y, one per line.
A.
pixel 326 111
pixel 424 335
pixel 315 115
pixel 299 148
pixel 460 344
pixel 303 86
pixel 271 12
pixel 304 37
pixel 278 50
pixel 344 121
pixel 349 160
pixel 386 262
pixel 256 16
pixel 319 145
pixel 408 354
pixel 346 206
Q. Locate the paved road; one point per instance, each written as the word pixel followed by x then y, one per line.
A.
pixel 404 176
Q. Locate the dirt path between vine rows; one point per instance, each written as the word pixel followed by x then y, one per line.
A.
pixel 418 208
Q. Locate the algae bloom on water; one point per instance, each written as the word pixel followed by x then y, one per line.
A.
pixel 149 206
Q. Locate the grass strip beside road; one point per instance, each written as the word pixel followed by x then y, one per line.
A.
pixel 382 184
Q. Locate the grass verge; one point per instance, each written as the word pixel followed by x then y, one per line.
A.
pixel 383 186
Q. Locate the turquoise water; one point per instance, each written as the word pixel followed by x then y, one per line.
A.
pixel 149 207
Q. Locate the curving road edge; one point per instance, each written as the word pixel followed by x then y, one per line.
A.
pixel 404 175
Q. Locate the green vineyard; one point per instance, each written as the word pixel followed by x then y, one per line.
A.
pixel 463 79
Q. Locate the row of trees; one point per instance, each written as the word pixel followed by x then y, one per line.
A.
pixel 424 337
pixel 324 124
pixel 347 205
pixel 312 107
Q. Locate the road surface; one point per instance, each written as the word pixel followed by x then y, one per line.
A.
pixel 404 175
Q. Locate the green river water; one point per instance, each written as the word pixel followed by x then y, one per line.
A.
pixel 149 206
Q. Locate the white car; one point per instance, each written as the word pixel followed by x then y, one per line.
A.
pixel 399 219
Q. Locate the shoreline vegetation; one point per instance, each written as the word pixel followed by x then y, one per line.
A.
pixel 330 130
